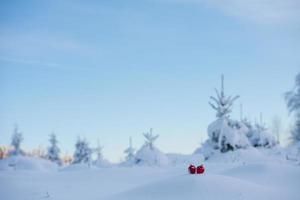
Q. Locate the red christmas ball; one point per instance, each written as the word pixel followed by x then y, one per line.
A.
pixel 192 169
pixel 200 169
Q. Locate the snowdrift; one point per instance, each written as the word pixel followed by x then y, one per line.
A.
pixel 150 156
pixel 249 155
pixel 27 163
pixel 293 152
pixel 270 174
pixel 210 186
pixel 254 175
pixel 179 159
pixel 103 163
pixel 78 167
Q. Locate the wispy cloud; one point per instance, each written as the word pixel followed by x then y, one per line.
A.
pixel 43 50
pixel 39 43
pixel 260 11
pixel 30 62
pixel 43 64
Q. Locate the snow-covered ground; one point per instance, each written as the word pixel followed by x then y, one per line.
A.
pixel 244 174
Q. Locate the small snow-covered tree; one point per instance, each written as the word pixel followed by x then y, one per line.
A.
pixel 222 103
pixel 100 161
pixel 129 151
pixel 16 141
pixel 258 135
pixel 148 154
pixel 53 151
pixel 224 133
pixel 292 98
pixel 82 152
pixel 150 138
pixel 276 127
pixel 98 150
pixel 296 131
pixel 263 137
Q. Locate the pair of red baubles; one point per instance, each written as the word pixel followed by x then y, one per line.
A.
pixel 196 170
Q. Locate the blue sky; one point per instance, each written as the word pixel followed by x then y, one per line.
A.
pixel 113 69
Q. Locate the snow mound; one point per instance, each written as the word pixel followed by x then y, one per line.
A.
pixel 267 174
pixel 207 186
pixel 179 159
pixel 259 180
pixel 293 152
pixel 78 167
pixel 27 163
pixel 248 155
pixel 151 156
pixel 103 163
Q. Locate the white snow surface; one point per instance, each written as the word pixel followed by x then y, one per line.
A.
pixel 150 156
pixel 17 163
pixel 293 152
pixel 78 167
pixel 244 174
pixel 177 159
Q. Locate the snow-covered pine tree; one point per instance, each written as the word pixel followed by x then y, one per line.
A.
pixel 150 138
pixel 100 161
pixel 276 127
pixel 82 152
pixel 53 150
pixel 225 134
pixel 129 151
pixel 264 137
pixel 258 134
pixel 222 103
pixel 148 154
pixel 99 152
pixel 16 141
pixel 292 98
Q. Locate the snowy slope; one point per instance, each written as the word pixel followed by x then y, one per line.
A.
pixel 251 175
pixel 209 186
pixel 178 159
pixel 150 156
pixel 26 163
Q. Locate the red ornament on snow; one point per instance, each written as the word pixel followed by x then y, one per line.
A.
pixel 200 169
pixel 192 169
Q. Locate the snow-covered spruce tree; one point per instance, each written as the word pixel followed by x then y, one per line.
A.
pixel 16 141
pixel 266 139
pixel 100 161
pixel 276 127
pixel 99 152
pixel 82 152
pixel 259 136
pixel 53 150
pixel 221 103
pixel 224 134
pixel 148 154
pixel 129 151
pixel 293 103
pixel 150 138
